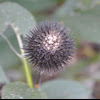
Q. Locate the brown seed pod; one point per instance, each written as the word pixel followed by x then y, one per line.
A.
pixel 49 46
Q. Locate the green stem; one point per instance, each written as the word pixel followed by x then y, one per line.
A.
pixel 26 67
pixel 28 74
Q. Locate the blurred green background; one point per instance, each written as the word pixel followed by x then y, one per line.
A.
pixel 81 16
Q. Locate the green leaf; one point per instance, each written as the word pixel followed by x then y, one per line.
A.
pixel 93 11
pixel 18 20
pixel 36 6
pixel 61 89
pixel 16 16
pixel 66 8
pixel 8 59
pixel 83 5
pixel 87 27
pixel 18 90
pixel 75 69
pixel 70 6
pixel 3 78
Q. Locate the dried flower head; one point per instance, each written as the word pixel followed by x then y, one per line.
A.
pixel 49 46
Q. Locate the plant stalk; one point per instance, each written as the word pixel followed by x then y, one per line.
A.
pixel 26 67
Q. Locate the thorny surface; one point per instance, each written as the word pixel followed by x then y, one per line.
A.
pixel 48 48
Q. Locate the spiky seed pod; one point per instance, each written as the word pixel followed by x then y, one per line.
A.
pixel 49 46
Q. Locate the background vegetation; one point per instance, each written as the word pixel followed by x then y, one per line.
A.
pixel 82 79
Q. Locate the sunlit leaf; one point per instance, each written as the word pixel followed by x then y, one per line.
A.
pixel 18 90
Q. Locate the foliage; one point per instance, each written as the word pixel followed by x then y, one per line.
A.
pixel 20 90
pixel 62 89
pixel 18 16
